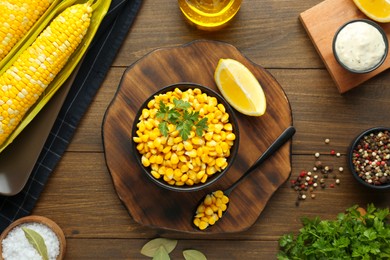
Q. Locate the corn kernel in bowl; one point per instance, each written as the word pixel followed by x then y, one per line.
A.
pixel 193 161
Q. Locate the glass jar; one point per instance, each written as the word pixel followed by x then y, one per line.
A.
pixel 209 14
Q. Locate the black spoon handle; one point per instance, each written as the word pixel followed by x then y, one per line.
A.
pixel 281 140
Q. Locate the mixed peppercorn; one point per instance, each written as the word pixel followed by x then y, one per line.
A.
pixel 306 183
pixel 371 157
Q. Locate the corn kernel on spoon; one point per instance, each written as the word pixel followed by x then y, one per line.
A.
pixel 214 205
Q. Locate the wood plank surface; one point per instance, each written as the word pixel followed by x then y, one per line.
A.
pixel 119 249
pixel 80 194
pixel 102 215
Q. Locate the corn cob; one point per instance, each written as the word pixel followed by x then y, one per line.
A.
pixel 27 78
pixel 17 17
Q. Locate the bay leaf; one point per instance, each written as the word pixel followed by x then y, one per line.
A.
pixel 151 247
pixel 37 241
pixel 161 254
pixel 192 254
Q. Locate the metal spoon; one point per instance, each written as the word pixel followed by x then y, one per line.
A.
pixel 280 141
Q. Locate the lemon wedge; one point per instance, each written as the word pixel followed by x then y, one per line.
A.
pixel 240 87
pixel 377 10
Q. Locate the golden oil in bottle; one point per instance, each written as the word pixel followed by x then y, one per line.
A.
pixel 209 14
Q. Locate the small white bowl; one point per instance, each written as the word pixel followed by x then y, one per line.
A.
pixel 359 39
pixel 40 220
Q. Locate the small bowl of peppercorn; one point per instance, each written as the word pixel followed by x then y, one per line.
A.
pixel 369 158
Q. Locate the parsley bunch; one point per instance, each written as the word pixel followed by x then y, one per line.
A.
pixel 181 118
pixel 350 236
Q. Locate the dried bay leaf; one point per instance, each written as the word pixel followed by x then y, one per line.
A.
pixel 192 254
pixel 150 248
pixel 161 254
pixel 37 241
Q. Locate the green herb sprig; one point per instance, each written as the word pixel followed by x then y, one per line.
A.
pixel 351 236
pixel 179 116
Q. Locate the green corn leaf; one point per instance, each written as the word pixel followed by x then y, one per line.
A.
pixel 100 8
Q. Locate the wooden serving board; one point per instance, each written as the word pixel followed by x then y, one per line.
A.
pixel 321 23
pixel 153 206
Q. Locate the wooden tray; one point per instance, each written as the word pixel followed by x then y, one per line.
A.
pixel 153 206
pixel 321 23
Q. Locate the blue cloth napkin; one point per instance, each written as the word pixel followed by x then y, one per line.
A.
pixel 103 49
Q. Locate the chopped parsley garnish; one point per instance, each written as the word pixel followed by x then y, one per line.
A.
pixel 179 116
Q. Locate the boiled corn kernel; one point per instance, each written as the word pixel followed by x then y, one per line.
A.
pixel 220 162
pixel 145 161
pixel 210 210
pixel 174 159
pixel 225 118
pixel 184 178
pixel 204 178
pixel 203 225
pixel 156 174
pixel 182 158
pixel 196 158
pixel 231 136
pixel 200 175
pixel 188 146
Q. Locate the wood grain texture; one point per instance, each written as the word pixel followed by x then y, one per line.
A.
pixel 266 31
pixel 130 249
pixel 153 206
pixel 81 199
pixel 337 12
pixel 80 195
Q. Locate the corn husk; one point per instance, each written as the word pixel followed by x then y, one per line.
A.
pixel 100 8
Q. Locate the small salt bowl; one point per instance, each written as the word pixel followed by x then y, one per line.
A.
pixel 360 46
pixel 369 158
pixel 14 244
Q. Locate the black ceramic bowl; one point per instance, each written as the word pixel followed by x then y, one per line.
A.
pixel 233 149
pixel 367 70
pixel 369 158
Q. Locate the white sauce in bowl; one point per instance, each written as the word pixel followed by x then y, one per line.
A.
pixel 360 46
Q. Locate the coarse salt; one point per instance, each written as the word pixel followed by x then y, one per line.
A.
pixel 16 246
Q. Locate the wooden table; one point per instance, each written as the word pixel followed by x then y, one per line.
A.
pixel 80 195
